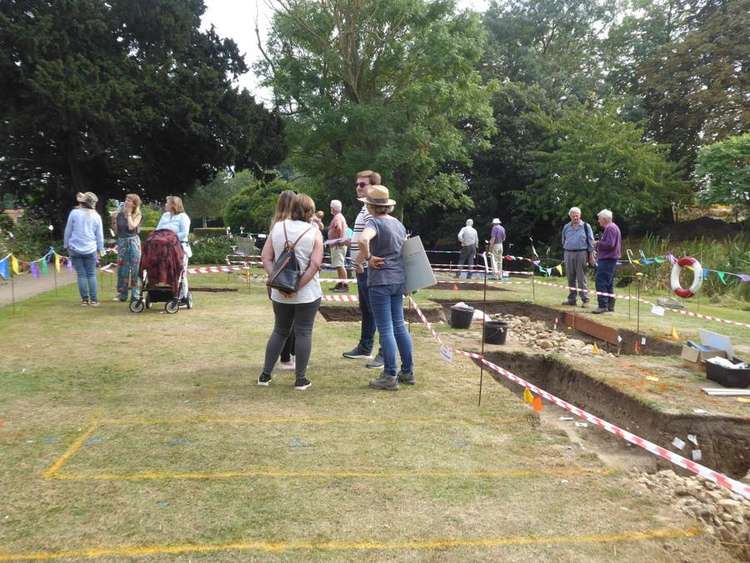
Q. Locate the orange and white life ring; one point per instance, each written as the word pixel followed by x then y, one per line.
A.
pixel 687 262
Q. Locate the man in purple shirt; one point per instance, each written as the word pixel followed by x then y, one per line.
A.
pixel 497 238
pixel 608 252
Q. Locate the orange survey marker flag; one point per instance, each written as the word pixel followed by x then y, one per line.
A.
pixel 595 349
pixel 528 397
pixel 537 404
pixel 675 336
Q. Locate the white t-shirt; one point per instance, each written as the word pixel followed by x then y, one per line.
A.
pixel 303 250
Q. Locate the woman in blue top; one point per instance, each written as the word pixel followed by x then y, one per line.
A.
pixel 175 219
pixel 84 238
pixel 380 246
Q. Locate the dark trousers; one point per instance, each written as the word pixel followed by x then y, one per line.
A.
pixel 367 332
pixel 288 350
pixel 605 278
pixel 301 316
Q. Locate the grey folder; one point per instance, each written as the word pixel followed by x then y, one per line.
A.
pixel 419 272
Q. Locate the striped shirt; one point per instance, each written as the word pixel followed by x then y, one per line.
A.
pixel 359 225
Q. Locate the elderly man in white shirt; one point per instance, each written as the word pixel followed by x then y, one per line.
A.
pixel 469 239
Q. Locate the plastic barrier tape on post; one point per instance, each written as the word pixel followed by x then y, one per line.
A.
pixel 687 262
pixel 701 470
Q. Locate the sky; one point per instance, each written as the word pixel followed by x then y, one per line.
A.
pixel 236 19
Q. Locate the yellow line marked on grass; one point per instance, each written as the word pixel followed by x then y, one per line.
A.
pixel 332 473
pixel 366 545
pixel 77 444
pixel 297 420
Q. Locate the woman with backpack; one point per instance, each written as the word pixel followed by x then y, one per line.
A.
pixel 294 308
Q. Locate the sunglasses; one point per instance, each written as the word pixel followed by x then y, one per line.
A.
pixel 361 184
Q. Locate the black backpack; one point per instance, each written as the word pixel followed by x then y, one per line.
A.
pixel 286 271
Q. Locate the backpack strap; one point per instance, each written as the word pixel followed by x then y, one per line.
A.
pixel 298 238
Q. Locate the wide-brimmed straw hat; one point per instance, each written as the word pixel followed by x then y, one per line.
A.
pixel 377 195
pixel 88 197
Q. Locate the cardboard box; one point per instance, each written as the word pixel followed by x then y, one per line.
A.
pixel 697 353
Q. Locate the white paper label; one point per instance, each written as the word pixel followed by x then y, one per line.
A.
pixel 697 455
pixel 693 439
pixel 582 424
pixel 657 310
pixel 643 341
pixel 619 338
pixel 677 443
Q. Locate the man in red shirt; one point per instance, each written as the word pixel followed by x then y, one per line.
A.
pixel 337 244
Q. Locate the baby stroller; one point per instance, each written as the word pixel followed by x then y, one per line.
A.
pixel 162 273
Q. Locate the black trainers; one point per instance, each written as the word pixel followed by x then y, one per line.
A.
pixel 302 384
pixel 568 303
pixel 406 378
pixel 376 363
pixel 385 382
pixel 264 379
pixel 85 302
pixel 357 354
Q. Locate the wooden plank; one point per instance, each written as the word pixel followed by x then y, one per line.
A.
pixel 592 328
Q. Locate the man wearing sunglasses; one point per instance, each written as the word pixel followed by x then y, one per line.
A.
pixel 363 350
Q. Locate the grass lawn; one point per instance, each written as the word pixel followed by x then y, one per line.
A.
pixel 128 436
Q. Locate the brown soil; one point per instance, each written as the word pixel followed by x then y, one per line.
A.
pixel 723 440
pixel 213 289
pixel 347 313
pixel 653 346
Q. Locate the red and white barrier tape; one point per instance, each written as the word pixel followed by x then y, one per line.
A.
pixel 701 470
pixel 341 298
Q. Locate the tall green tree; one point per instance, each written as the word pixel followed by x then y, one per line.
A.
pixel 122 96
pixel 723 171
pixel 593 159
pixel 207 201
pixel 694 88
pixel 389 85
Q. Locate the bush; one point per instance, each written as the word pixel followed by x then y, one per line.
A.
pixel 30 240
pixel 253 207
pixel 212 250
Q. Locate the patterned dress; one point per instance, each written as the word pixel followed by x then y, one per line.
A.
pixel 129 258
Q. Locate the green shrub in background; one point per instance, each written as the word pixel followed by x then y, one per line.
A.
pixel 211 250
pixel 31 237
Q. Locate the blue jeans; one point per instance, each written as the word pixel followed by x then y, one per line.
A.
pixel 85 266
pixel 388 309
pixel 367 334
pixel 605 277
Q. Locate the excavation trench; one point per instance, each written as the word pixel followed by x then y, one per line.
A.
pixel 349 313
pixel 583 326
pixel 723 440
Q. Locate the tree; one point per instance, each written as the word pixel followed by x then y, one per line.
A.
pixel 723 171
pixel 594 160
pixel 694 88
pixel 122 96
pixel 388 85
pixel 252 208
pixel 209 200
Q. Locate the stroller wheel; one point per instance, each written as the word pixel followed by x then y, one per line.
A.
pixel 172 306
pixel 136 306
pixel 189 300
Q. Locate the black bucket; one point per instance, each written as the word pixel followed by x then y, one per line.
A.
pixel 495 332
pixel 461 316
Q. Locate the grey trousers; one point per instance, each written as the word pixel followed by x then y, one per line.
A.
pixel 468 253
pixel 301 316
pixel 575 266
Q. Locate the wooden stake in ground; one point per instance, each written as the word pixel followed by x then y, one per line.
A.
pixel 12 293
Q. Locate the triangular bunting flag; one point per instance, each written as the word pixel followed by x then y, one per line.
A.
pixel 4 268
pixel 559 269
pixel 722 277
pixel 35 270
pixel 675 336
pixel 14 265
pixel 595 349
pixel 528 397
pixel 537 404
pixel 44 269
pixel 57 262
pixel 68 263
pixel 658 259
